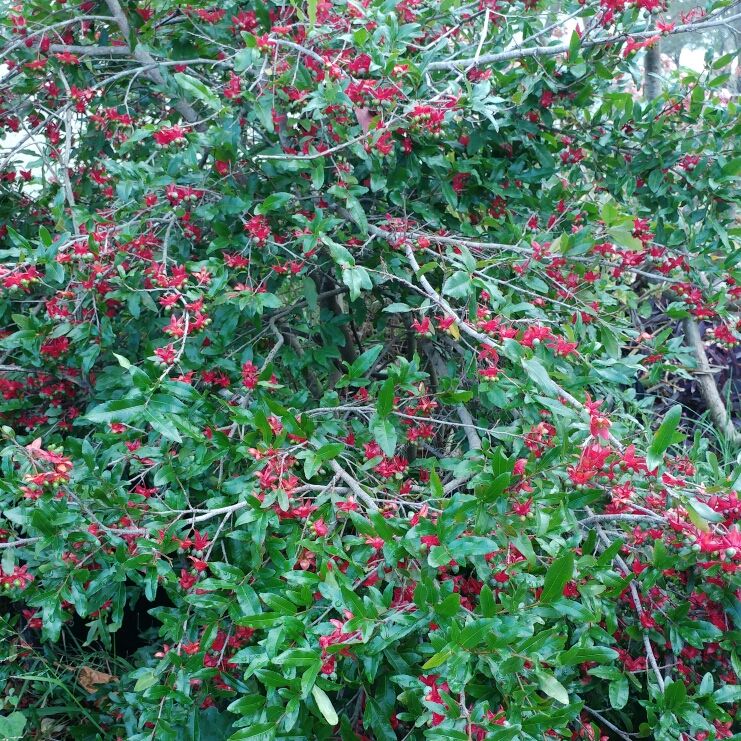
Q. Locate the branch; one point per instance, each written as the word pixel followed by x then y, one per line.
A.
pixel 15 543
pixel 601 718
pixel 549 51
pixel 357 490
pixel 636 601
pixel 706 383
pixel 622 517
pixel 92 51
pixel 184 108
pixel 474 441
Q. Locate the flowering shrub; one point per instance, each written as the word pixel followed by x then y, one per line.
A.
pixel 333 337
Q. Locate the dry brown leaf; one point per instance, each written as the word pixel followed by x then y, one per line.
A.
pixel 89 679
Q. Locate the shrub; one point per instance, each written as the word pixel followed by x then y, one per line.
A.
pixel 333 337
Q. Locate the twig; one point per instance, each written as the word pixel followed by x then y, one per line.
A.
pixel 601 718
pixel 353 484
pixel 636 602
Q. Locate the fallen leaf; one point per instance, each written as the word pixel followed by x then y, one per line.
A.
pixel 89 679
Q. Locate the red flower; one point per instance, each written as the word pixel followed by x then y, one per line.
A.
pixel 320 529
pixel 173 135
pixel 166 354
pixel 187 580
pixel 66 58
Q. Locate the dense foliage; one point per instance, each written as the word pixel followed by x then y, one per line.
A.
pixel 340 345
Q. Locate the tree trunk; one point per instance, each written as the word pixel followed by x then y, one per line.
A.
pixel 652 72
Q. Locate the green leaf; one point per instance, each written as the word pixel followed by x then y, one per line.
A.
pixel 449 606
pixel 706 512
pixel 116 411
pixel 145 681
pixel 493 490
pixel 274 202
pixel 610 342
pixel 723 61
pixel 11 726
pixel 309 677
pixel 696 518
pixel 385 404
pixel 325 705
pixel 732 168
pixel 198 90
pixel 384 433
pixel 675 694
pixel 655 179
pixel 619 691
pixel 552 687
pixel 438 659
pixel 311 7
pixel 260 732
pixel 625 238
pixel 609 212
pixel 729 693
pixel 310 293
pixel 474 633
pixel 663 437
pixel 559 574
pixel 357 213
pixel 364 363
pixel 341 255
pixel 579 654
pixel 540 376
pixel 574 45
pixel 164 426
pixel 329 451
pixel 397 308
pixel 356 279
pixel 458 285
pixel 18 339
pixel 436 486
pixel 246 705
pixel 7 563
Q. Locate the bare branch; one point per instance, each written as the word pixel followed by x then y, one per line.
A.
pixel 706 384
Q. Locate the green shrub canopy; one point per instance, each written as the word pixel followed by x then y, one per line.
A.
pixel 338 331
